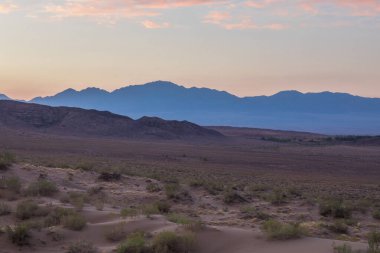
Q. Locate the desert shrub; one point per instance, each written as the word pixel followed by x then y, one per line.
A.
pixel 4 209
pixel 19 235
pixel 135 243
pixel 29 209
pixel 179 218
pixel 374 242
pixel 345 248
pixel 108 177
pixel 163 206
pixel 76 199
pixel 12 184
pixel 6 160
pixel 171 242
pixel 339 226
pixel 335 208
pixel 129 212
pixel 282 231
pixel 196 183
pixel 376 214
pixel 56 216
pixel 277 197
pixel 214 187
pixel 74 222
pixel 172 190
pixel 116 233
pixel 248 212
pixel 42 187
pixel 231 197
pixel 82 247
pixel 153 187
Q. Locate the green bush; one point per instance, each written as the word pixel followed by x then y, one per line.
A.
pixel 171 242
pixel 4 209
pixel 42 187
pixel 153 187
pixel 135 243
pixel 29 209
pixel 19 235
pixel 282 231
pixel 82 247
pixel 74 222
pixel 374 242
pixel 6 160
pixel 335 208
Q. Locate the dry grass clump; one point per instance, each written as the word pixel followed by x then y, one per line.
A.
pixel 171 242
pixel 374 242
pixel 248 212
pixel 76 199
pixel 29 209
pixel 282 231
pixel 6 160
pixel 339 226
pixel 82 247
pixel 174 191
pixel 129 212
pixel 74 222
pixel 233 197
pixel 335 208
pixel 42 187
pixel 56 216
pixel 12 184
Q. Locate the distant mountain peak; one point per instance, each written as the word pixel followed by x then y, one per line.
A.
pixel 288 93
pixel 4 97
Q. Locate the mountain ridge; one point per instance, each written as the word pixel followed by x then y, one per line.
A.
pixel 81 122
pixel 325 112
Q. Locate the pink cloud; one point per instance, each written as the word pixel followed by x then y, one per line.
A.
pixel 217 17
pixel 153 25
pixel 7 7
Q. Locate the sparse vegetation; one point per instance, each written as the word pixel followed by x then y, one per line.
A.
pixel 248 212
pixel 82 247
pixel 19 235
pixel 179 218
pixel 56 216
pixel 108 177
pixel 42 187
pixel 12 184
pixel 129 212
pixel 153 187
pixel 171 242
pixel 282 231
pixel 376 214
pixel 231 197
pixel 374 242
pixel 6 160
pixel 335 208
pixel 339 226
pixel 74 222
pixel 29 209
pixel 135 243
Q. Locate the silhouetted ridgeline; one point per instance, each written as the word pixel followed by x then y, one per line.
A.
pixel 326 112
pixel 81 122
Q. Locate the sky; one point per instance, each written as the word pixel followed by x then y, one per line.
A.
pixel 246 47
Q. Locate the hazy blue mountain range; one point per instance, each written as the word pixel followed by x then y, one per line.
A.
pixel 326 112
pixel 3 97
